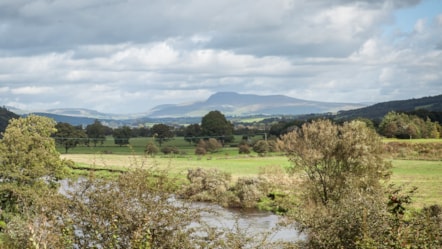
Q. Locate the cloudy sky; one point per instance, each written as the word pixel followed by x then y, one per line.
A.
pixel 127 56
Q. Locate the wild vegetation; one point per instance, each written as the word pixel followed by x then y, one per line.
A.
pixel 334 185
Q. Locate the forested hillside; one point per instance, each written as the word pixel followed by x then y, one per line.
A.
pixel 377 111
pixel 5 116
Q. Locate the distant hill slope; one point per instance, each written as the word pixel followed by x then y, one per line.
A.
pixel 234 104
pixel 378 111
pixel 67 119
pixel 5 116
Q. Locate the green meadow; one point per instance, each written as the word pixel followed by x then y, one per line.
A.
pixel 424 174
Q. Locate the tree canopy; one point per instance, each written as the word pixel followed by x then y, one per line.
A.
pixel 122 135
pixel 69 136
pixel 336 158
pixel 162 133
pixel 401 125
pixel 29 164
pixel 96 132
pixel 215 124
pixel 28 152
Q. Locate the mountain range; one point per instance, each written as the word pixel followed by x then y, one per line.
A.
pixel 235 104
pixel 238 105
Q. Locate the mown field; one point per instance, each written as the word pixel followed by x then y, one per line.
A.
pixel 424 174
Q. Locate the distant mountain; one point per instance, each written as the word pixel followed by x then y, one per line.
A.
pixel 377 111
pixel 235 104
pixel 67 119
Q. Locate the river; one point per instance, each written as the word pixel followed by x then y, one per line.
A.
pixel 249 221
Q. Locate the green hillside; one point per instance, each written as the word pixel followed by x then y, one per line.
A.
pixel 377 111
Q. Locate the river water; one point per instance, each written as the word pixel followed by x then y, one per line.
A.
pixel 249 221
pixel 252 221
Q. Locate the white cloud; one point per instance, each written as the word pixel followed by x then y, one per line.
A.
pixel 31 90
pixel 128 56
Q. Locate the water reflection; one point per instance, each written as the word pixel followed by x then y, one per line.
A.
pixel 250 221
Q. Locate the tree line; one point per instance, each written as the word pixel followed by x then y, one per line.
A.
pixel 213 125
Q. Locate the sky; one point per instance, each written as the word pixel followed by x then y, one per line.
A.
pixel 128 56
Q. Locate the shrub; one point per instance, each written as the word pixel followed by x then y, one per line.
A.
pixel 261 147
pixel 167 150
pixel 151 149
pixel 207 185
pixel 244 149
pixel 249 191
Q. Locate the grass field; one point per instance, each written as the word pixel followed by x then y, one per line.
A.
pixel 425 174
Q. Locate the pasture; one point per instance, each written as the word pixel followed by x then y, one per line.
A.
pixel 424 174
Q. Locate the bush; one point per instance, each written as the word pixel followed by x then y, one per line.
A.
pixel 207 185
pixel 151 149
pixel 244 149
pixel 249 191
pixel 261 147
pixel 201 151
pixel 167 150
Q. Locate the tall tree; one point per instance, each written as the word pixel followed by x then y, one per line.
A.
pixel 162 133
pixel 69 136
pixel 343 203
pixel 192 133
pixel 122 135
pixel 215 124
pixel 96 132
pixel 336 158
pixel 29 163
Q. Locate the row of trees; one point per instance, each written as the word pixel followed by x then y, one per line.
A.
pixel 401 125
pixel 393 125
pixel 213 125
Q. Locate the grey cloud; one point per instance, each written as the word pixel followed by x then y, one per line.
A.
pixel 62 25
pixel 127 56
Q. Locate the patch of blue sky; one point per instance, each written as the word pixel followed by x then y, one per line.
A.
pixel 405 19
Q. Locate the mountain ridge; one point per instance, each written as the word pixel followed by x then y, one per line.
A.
pixel 231 104
pixel 236 104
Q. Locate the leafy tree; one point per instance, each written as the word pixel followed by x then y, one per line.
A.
pixel 342 204
pixel 96 132
pixel 68 135
pixel 29 164
pixel 215 124
pixel 122 135
pixel 162 133
pixel 402 125
pixel 336 158
pixel 140 132
pixel 192 133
